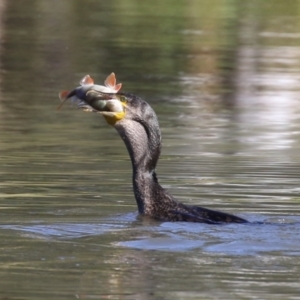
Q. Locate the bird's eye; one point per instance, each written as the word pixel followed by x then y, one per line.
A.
pixel 123 99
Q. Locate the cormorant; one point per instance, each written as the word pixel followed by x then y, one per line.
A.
pixel 137 124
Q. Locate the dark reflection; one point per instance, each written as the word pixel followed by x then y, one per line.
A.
pixel 223 79
pixel 131 278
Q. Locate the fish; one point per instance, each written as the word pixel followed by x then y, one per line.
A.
pixel 89 90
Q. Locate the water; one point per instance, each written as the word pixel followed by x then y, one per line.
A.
pixel 223 78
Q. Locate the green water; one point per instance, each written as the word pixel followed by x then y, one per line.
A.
pixel 223 78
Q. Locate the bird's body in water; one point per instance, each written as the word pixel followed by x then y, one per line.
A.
pixel 137 124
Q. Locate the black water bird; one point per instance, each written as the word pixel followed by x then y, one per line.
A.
pixel 137 124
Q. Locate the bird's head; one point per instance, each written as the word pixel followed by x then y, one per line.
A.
pixel 118 106
pixel 113 106
pixel 108 101
pixel 132 117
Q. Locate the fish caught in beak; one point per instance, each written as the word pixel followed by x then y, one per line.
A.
pixel 97 98
pixel 80 94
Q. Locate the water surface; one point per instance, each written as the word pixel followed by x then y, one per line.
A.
pixel 224 80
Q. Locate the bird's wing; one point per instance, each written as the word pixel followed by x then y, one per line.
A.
pixel 190 217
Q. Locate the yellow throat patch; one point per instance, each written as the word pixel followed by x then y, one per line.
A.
pixel 113 117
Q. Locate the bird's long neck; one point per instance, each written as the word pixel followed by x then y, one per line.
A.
pixel 143 141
